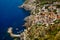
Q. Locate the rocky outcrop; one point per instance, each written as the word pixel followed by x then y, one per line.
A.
pixel 28 5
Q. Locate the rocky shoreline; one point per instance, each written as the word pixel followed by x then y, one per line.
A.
pixel 42 19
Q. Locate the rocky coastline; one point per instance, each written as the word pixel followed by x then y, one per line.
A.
pixel 43 22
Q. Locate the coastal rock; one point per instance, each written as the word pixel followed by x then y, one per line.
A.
pixel 28 5
pixel 43 22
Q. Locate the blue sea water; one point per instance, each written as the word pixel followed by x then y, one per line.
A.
pixel 11 16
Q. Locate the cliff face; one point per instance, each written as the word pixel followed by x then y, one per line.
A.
pixel 44 20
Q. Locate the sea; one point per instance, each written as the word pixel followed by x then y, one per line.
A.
pixel 11 16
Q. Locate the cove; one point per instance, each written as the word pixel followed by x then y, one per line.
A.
pixel 11 16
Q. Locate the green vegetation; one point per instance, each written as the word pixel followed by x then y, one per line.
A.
pixel 43 2
pixel 42 33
